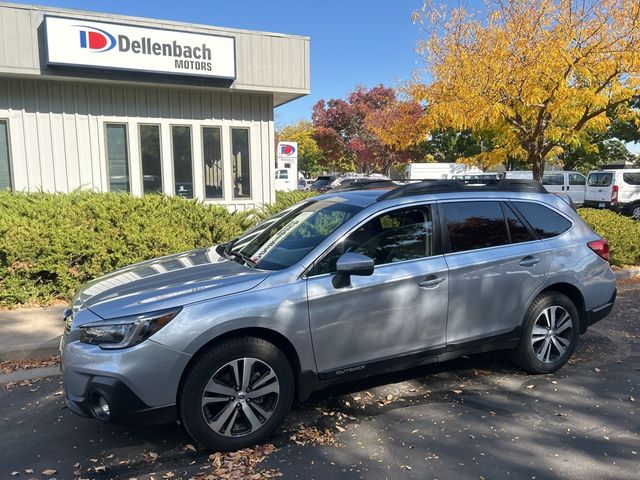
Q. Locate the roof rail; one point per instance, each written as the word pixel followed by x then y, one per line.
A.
pixel 365 184
pixel 444 186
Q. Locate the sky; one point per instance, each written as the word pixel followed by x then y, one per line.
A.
pixel 353 42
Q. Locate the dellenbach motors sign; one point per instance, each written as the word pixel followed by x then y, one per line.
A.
pixel 74 41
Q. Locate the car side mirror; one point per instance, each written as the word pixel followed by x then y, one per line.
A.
pixel 351 264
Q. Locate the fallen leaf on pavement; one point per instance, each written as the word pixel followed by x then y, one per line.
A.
pixel 49 471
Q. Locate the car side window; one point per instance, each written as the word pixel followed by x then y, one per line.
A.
pixel 396 236
pixel 517 231
pixel 553 179
pixel 474 225
pixel 577 179
pixel 544 221
pixel 632 178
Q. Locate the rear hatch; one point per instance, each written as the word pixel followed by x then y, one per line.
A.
pixel 599 185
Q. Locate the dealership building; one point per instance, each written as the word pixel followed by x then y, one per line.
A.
pixel 114 103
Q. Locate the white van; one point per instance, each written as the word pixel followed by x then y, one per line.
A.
pixel 617 190
pixel 285 180
pixel 558 181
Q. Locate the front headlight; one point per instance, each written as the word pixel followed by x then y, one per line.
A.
pixel 126 332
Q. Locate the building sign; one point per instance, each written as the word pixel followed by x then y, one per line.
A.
pixel 74 41
pixel 287 150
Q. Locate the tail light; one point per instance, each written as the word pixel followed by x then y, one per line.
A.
pixel 614 194
pixel 601 247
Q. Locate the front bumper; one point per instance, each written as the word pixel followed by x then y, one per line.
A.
pixel 125 407
pixel 139 384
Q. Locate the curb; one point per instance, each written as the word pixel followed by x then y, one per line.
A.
pixel 627 273
pixel 44 351
pixel 29 374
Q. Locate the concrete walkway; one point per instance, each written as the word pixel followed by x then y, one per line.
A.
pixel 30 333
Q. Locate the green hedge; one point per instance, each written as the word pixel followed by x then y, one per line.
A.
pixel 622 232
pixel 50 244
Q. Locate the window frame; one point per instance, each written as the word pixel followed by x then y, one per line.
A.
pixel 9 156
pixel 233 175
pixel 127 138
pixel 223 171
pixel 190 126
pixel 162 179
pixel 436 236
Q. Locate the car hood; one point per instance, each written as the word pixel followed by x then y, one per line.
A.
pixel 167 282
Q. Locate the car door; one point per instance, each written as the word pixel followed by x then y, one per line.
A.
pixel 554 182
pixel 495 266
pixel 599 188
pixel 399 310
pixel 576 187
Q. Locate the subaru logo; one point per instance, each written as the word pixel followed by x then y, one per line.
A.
pixel 96 40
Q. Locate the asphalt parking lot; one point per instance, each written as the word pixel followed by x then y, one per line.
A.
pixel 475 417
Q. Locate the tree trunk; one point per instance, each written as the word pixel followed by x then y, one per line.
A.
pixel 537 163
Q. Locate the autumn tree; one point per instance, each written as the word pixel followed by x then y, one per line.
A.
pixel 544 74
pixel 344 133
pixel 310 155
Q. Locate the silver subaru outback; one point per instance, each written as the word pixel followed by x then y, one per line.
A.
pixel 370 279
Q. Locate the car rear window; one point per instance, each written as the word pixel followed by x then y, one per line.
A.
pixel 600 179
pixel 632 178
pixel 544 221
pixel 475 225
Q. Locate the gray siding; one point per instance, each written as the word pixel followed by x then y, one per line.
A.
pixel 57 133
pixel 266 62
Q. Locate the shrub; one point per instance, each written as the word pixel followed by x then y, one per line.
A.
pixel 50 244
pixel 284 200
pixel 622 232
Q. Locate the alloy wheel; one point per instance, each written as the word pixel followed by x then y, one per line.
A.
pixel 240 397
pixel 635 213
pixel 551 334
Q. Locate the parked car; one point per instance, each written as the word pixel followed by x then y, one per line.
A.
pixel 558 181
pixel 617 190
pixel 323 183
pixel 341 286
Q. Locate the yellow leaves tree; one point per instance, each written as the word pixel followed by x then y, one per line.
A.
pixel 538 73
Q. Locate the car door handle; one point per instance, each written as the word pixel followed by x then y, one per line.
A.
pixel 431 281
pixel 529 261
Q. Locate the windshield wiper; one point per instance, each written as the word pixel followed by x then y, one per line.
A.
pixel 246 260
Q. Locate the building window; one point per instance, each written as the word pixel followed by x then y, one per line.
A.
pixel 150 149
pixel 182 161
pixel 212 153
pixel 241 170
pixel 5 161
pixel 118 157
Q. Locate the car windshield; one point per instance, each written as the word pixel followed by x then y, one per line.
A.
pixel 286 238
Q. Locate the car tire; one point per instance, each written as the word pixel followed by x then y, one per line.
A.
pixel 218 406
pixel 550 334
pixel 634 211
